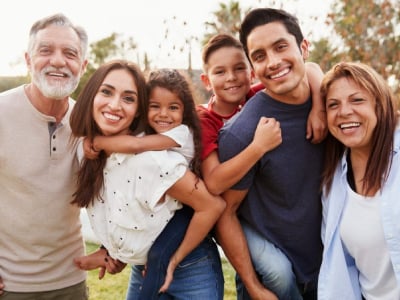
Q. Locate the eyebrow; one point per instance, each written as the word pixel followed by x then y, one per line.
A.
pixel 113 88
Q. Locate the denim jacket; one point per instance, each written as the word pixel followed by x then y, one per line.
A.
pixel 338 277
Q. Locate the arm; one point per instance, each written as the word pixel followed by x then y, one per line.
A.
pixel 133 144
pixel 219 177
pixel 99 259
pixel 233 241
pixel 1 286
pixel 316 124
pixel 192 191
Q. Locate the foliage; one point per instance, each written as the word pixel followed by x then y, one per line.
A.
pixel 368 31
pixel 361 30
pixel 7 83
pixel 113 287
pixel 103 50
pixel 227 20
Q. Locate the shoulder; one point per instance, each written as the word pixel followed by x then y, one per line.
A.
pixel 12 94
pixel 178 133
pixel 254 89
pixel 204 112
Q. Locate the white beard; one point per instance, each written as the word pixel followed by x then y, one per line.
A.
pixel 55 90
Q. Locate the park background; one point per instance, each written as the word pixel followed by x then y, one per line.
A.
pixel 159 33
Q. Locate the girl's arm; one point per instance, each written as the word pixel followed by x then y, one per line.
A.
pixel 220 177
pixel 316 124
pixel 132 144
pixel 192 191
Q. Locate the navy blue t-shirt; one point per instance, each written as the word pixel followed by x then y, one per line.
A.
pixel 283 201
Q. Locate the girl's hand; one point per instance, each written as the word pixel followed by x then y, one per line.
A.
pixel 88 150
pixel 169 276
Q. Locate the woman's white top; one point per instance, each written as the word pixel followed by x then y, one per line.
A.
pixel 362 234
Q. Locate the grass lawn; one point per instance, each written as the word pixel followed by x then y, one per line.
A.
pixel 113 287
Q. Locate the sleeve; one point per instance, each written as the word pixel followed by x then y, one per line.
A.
pixel 324 215
pixel 209 132
pixel 179 134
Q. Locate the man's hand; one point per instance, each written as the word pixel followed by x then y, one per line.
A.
pixel 113 266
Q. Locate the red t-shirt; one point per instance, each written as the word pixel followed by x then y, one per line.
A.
pixel 211 122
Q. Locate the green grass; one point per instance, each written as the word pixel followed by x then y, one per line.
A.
pixel 113 287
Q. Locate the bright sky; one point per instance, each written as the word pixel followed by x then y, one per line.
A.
pixel 142 20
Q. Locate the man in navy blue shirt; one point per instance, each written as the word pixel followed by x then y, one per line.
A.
pixel 270 230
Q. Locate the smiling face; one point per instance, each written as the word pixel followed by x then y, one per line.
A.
pixel 116 103
pixel 277 60
pixel 56 61
pixel 165 110
pixel 228 75
pixel 351 114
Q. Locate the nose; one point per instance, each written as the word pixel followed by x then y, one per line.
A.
pixel 57 59
pixel 114 103
pixel 274 60
pixel 163 111
pixel 345 109
pixel 231 75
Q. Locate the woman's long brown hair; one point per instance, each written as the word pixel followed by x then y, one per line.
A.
pixel 90 176
pixel 379 161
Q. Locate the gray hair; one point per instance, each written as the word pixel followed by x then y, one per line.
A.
pixel 58 20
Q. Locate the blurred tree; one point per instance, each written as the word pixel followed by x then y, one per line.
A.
pixel 367 31
pixel 227 20
pixel 323 53
pixel 9 82
pixel 103 50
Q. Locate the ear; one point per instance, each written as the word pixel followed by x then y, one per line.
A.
pixel 84 65
pixel 28 60
pixel 304 46
pixel 206 81
pixel 252 75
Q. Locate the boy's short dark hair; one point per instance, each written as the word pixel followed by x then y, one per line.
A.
pixel 216 42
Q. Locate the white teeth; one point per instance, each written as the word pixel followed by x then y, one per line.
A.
pixel 349 125
pixel 56 74
pixel 111 117
pixel 163 123
pixel 281 73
